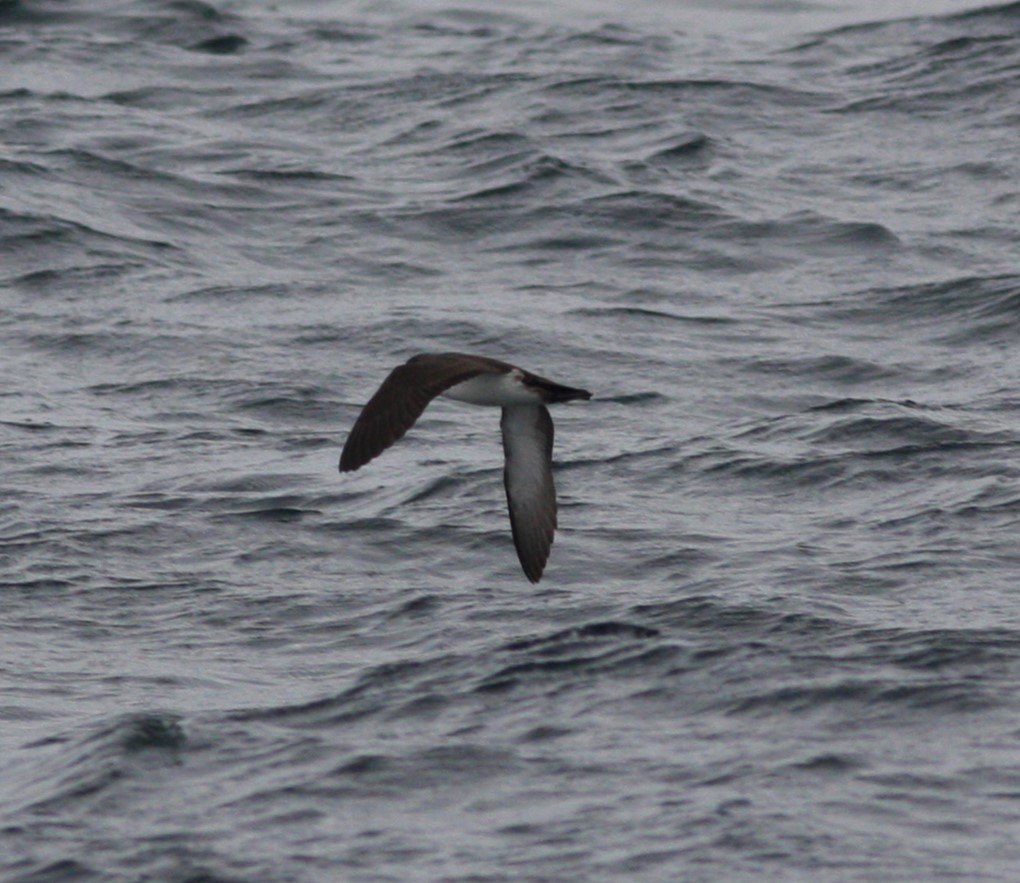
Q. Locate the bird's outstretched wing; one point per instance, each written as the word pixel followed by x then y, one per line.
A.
pixel 399 402
pixel 530 492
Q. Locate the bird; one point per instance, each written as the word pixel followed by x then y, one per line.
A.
pixel 526 426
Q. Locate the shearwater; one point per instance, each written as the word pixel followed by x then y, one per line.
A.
pixel 526 425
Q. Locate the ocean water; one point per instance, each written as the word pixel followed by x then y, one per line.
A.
pixel 779 634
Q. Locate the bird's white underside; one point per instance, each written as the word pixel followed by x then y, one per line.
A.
pixel 494 390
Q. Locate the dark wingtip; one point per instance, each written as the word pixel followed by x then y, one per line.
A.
pixel 351 459
pixel 533 569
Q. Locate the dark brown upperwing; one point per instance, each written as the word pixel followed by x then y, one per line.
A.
pixel 399 402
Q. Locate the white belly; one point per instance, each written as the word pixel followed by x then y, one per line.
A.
pixel 493 389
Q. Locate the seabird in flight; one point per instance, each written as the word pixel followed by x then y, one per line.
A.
pixel 526 425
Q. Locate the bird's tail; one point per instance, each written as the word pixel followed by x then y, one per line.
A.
pixel 556 392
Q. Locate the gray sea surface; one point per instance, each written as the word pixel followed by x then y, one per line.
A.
pixel 779 634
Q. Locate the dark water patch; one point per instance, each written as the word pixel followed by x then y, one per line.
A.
pixel 28 169
pixel 574 243
pixel 407 332
pixel 998 505
pixel 161 386
pixel 630 460
pixel 871 696
pixel 578 665
pixel 616 35
pixel 836 663
pixel 271 514
pixel 15 96
pixel 180 23
pixel 58 871
pixel 529 176
pixel 426 687
pixel 831 764
pixel 156 98
pixel 440 487
pixel 795 472
pixel 710 614
pixel 429 87
pixel 599 648
pixel 691 149
pixel 629 215
pixel 831 368
pixel 291 177
pixel 227 44
pixel 578 636
pixel 637 210
pixel 84 768
pixel 486 151
pixel 987 654
pixel 679 91
pixel 454 766
pixel 464 760
pixel 855 439
pixel 199 436
pixel 738 93
pixel 981 309
pixel 379 690
pixel 227 294
pixel 987 47
pixel 850 404
pixel 18 12
pixel 260 483
pixel 901 433
pixel 143 732
pixel 120 172
pixel 35 586
pixel 126 171
pixel 372 526
pixel 180 586
pixel 293 406
pixel 951 427
pixel 474 24
pixel 644 316
pixel 339 32
pixel 681 561
pixel 36 243
pixel 1004 14
pixel 545 734
pixel 815 234
pixel 297 103
pixel 21 230
pixel 65 282
pixel 464 222
pixel 922 29
pixel 872 462
pixel 936 66
pixel 418 607
pixel 33 425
